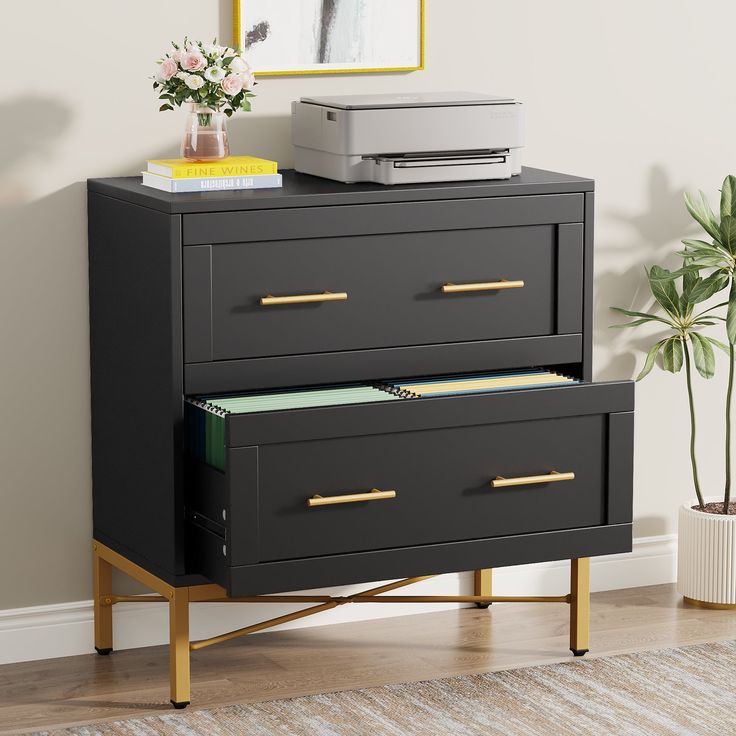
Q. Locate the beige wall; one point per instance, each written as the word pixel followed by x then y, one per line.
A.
pixel 638 95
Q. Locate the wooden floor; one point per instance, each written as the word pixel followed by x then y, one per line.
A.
pixel 74 690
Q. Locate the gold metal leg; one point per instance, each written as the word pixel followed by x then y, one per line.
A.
pixel 179 647
pixel 104 559
pixel 579 605
pixel 102 587
pixel 483 585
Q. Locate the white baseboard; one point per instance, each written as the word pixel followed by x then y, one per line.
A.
pixel 66 629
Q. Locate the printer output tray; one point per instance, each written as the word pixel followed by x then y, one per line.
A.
pixel 417 169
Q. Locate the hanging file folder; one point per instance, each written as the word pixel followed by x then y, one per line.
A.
pixel 205 415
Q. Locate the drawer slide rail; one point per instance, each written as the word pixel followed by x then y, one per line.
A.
pixel 179 598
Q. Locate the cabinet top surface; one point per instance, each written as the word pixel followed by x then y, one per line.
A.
pixel 303 190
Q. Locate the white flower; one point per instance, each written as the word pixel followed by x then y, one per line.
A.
pixel 213 49
pixel 214 74
pixel 182 75
pixel 238 65
pixel 249 80
pixel 194 81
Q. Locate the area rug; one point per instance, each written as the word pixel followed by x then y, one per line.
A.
pixel 690 690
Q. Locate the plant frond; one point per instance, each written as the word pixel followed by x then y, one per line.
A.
pixel 701 212
pixel 651 357
pixel 705 361
pixel 672 355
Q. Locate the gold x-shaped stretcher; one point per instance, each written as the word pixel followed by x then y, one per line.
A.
pixel 178 599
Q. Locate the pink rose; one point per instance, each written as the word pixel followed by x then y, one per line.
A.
pixel 232 84
pixel 166 70
pixel 192 61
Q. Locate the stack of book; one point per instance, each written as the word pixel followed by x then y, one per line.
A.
pixel 234 172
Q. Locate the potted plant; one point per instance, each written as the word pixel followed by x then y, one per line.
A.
pixel 706 560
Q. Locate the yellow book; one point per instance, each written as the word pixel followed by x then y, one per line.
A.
pixel 180 168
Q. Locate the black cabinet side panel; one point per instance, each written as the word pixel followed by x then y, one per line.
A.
pixel 620 467
pixel 569 278
pixel 588 288
pixel 136 376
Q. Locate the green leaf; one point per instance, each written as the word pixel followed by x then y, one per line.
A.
pixel 672 355
pixel 690 266
pixel 705 360
pixel 657 273
pixel 635 323
pixel 630 313
pixel 711 309
pixel 720 345
pixel 697 243
pixel 728 197
pixel 728 232
pixel 701 248
pixel 651 357
pixel 731 315
pixel 701 212
pixel 697 261
pixel 245 105
pixel 690 279
pixel 705 288
pixel 165 107
pixel 664 291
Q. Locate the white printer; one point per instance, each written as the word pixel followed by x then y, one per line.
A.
pixel 408 138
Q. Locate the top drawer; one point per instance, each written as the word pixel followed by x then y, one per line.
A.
pixel 331 279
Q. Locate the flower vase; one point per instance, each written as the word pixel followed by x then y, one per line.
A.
pixel 205 134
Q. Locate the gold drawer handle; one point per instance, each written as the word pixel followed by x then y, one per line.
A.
pixel 483 286
pixel 327 296
pixel 524 480
pixel 373 495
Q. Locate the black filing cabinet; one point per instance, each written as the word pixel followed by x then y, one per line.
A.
pixel 176 290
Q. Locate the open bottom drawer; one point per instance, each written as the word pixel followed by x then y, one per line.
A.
pixel 331 482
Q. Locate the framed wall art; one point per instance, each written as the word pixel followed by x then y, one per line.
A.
pixel 330 36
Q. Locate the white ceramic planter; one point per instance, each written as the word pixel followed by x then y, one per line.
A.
pixel 706 557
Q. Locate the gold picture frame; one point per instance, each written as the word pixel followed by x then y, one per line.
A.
pixel 238 30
